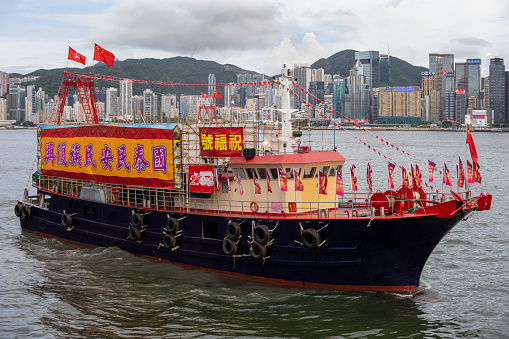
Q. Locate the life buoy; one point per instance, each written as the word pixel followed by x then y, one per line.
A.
pixel 17 209
pixel 25 211
pixel 169 241
pixel 254 206
pixel 310 238
pixel 134 234
pixel 262 234
pixel 172 225
pixel 233 230
pixel 258 251
pixel 137 220
pixel 66 220
pixel 229 247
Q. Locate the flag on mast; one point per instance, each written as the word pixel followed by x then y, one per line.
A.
pixel 353 178
pixel 298 183
pixel 431 169
pixel 75 56
pixel 256 185
pixel 269 189
pixel 470 142
pixel 404 177
pixel 368 178
pixel 322 183
pixel 446 179
pixel 339 184
pixel 100 54
pixel 391 167
pixel 283 180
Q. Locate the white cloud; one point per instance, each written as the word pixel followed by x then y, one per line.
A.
pixel 307 51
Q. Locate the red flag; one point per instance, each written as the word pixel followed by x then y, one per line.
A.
pixel 461 171
pixel 459 180
pixel 283 180
pixel 267 174
pixel 256 185
pixel 228 180
pixel 217 181
pixel 368 177
pixel 446 177
pixel 298 183
pixel 470 177
pixel 322 183
pixel 431 170
pixel 216 95
pixel 418 176
pixel 476 173
pixel 239 181
pixel 470 142
pixel 353 178
pixel 404 177
pixel 391 167
pixel 75 56
pixel 100 54
pixel 203 95
pixel 339 184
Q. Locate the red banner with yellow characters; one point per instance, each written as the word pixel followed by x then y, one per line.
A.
pixel 221 141
pixel 109 154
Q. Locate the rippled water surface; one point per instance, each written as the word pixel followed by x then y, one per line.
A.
pixel 51 289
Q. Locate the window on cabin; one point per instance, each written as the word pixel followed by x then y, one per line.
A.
pixel 251 172
pixel 224 186
pixel 334 169
pixel 309 172
pixel 289 172
pixel 262 173
pixel 325 170
pixel 274 173
pixel 240 173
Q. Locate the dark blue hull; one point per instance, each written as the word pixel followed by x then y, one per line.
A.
pixel 387 254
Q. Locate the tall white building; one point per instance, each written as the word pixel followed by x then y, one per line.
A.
pixel 169 106
pixel 111 104
pixel 149 106
pixel 126 99
pixel 302 73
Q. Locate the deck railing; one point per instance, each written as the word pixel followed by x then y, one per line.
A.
pixel 352 205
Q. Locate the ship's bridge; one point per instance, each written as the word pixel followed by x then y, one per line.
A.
pixel 307 166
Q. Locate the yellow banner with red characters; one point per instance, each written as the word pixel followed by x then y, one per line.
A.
pixel 111 154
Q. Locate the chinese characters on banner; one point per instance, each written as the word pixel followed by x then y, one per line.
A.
pixel 109 154
pixel 221 141
pixel 201 179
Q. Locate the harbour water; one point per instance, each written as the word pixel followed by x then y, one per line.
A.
pixel 49 289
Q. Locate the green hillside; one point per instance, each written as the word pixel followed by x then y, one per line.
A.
pixel 191 71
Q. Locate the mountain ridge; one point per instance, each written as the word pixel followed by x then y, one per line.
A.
pixel 192 71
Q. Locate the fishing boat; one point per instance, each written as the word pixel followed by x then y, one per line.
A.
pixel 231 199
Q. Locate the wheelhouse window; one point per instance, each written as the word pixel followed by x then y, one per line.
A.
pixel 273 172
pixel 334 169
pixel 325 170
pixel 240 173
pixel 251 172
pixel 309 172
pixel 262 173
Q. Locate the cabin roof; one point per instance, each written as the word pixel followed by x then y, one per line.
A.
pixel 302 158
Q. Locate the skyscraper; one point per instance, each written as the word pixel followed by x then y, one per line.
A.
pixel 211 81
pixel 338 94
pixel 302 75
pixel 474 77
pixel 498 90
pixel 370 61
pixel 126 99
pixel 385 72
pixel 111 104
pixel 450 97
pixel 357 98
pixel 17 103
pixel 4 80
pixel 149 105
pixel 441 64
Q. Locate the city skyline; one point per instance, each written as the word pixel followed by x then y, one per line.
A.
pixel 257 36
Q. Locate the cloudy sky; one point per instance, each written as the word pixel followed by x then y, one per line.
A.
pixel 258 35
